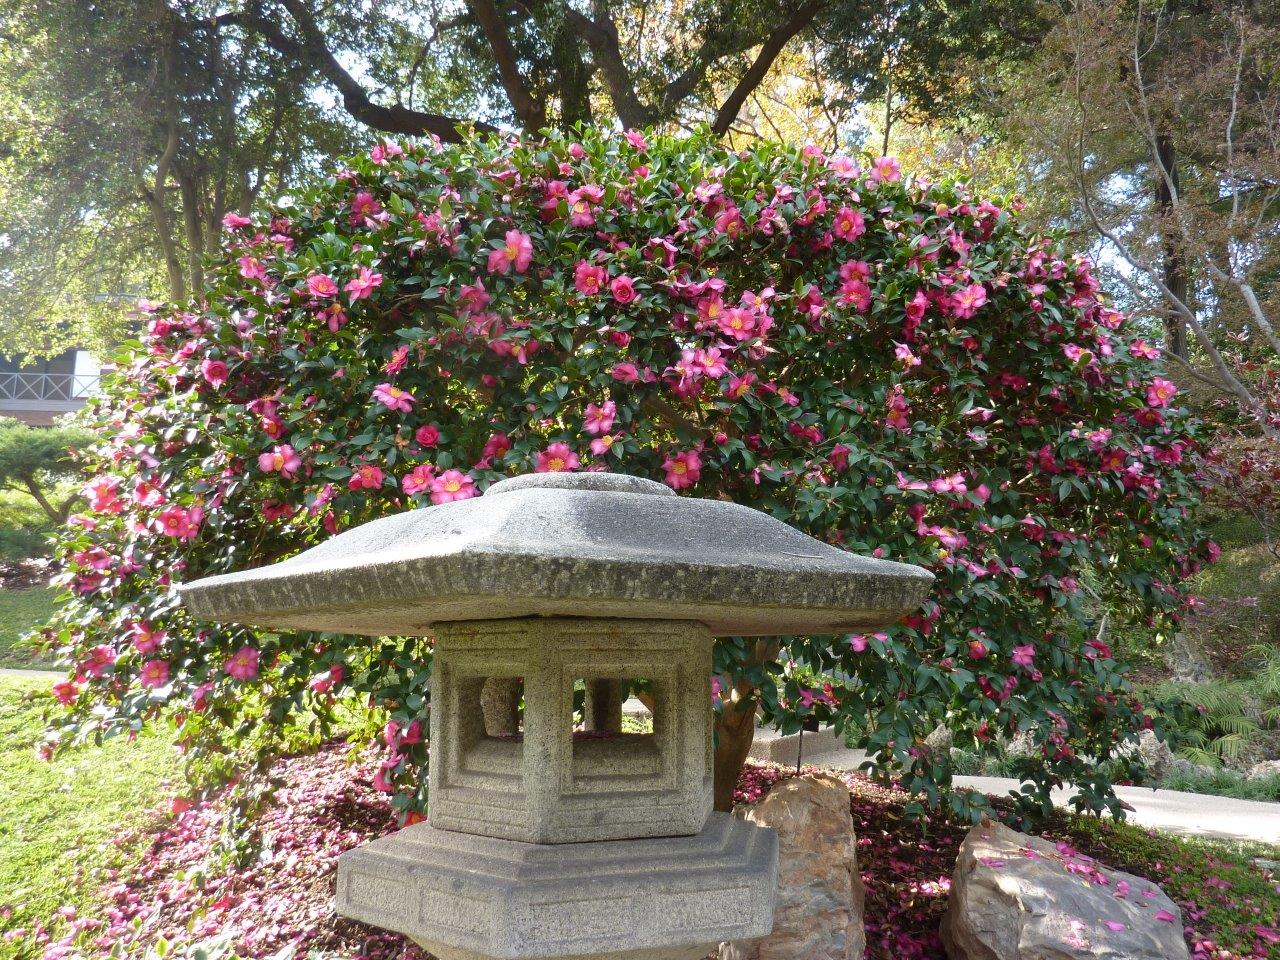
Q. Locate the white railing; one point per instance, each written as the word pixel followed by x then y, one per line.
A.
pixel 52 387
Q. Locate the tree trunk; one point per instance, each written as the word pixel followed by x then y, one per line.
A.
pixel 158 194
pixel 1173 256
pixel 192 222
pixel 735 729
pixel 575 79
pixel 38 496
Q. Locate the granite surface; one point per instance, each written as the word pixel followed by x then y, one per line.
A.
pixel 462 896
pixel 596 545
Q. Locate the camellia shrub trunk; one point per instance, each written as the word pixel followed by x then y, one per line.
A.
pixel 892 365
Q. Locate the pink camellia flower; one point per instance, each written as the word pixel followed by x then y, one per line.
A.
pixel 1024 656
pixel 1143 350
pixel 497 445
pixel 1160 392
pixel 599 417
pixel 582 204
pixel 636 139
pixel 845 168
pixel 146 639
pixel 739 323
pixel 65 692
pixel 589 278
pixel 179 523
pixel 603 444
pixel 385 151
pixel 452 485
pixel 365 209
pixel 393 398
pixel 886 169
pixel 977 650
pixel 363 284
pixel 427 435
pixel 103 494
pixel 233 221
pixel 101 658
pixel 322 285
pixel 251 268
pixel 683 469
pixel 244 664
pixel 625 373
pixel 623 289
pixel 366 477
pixel 739 387
pixel 418 479
pixel 282 459
pixel 154 673
pixel 967 300
pixel 516 252
pixel 214 371
pixel 849 224
pixel 903 353
pixel 557 458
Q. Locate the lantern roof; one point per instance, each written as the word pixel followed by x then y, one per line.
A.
pixel 569 544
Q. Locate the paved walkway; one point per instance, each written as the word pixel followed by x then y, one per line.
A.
pixel 1188 814
pixel 32 674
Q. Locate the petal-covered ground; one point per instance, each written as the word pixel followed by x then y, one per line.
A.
pixel 283 898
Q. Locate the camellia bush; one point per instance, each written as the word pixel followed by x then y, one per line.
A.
pixel 893 366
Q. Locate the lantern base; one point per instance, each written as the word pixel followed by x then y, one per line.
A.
pixel 468 897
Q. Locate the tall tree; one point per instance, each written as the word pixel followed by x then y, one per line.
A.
pixel 128 129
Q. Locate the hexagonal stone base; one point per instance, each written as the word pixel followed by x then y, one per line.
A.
pixel 465 897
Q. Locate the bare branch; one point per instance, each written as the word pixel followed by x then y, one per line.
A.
pixel 312 52
pixel 1247 401
pixel 759 68
pixel 531 111
pixel 601 37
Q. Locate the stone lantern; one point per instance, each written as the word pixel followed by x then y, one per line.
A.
pixel 543 840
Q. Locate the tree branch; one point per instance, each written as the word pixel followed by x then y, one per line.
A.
pixel 601 37
pixel 531 112
pixel 759 68
pixel 312 52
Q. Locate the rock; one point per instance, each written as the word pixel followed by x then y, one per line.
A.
pixel 818 911
pixel 1022 745
pixel 940 740
pixel 1183 657
pixel 1015 897
pixel 1189 769
pixel 1260 771
pixel 1155 753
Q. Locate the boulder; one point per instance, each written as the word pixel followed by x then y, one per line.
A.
pixel 1022 745
pixel 940 740
pixel 1187 768
pixel 1267 768
pixel 1015 897
pixel 1183 656
pixel 818 912
pixel 1157 754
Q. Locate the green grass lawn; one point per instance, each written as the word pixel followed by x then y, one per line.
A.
pixel 58 819
pixel 20 610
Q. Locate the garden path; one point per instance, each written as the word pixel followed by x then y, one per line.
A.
pixel 33 674
pixel 1187 814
